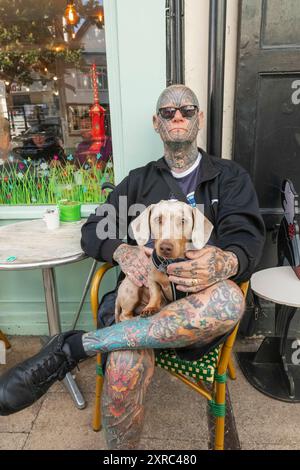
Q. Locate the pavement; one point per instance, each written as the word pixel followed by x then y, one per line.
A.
pixel 176 417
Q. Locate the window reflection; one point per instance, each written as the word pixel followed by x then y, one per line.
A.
pixel 55 137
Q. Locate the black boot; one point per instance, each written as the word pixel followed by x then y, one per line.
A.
pixel 27 382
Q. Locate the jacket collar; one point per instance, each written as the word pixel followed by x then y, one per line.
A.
pixel 208 169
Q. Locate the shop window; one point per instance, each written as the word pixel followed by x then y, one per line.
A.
pixel 55 138
pixel 84 79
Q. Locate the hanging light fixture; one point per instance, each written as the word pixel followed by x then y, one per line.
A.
pixel 100 17
pixel 71 14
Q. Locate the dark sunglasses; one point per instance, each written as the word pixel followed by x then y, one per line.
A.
pixel 187 111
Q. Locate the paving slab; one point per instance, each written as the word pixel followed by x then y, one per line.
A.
pixel 22 421
pixel 12 440
pixel 169 444
pixel 174 411
pixel 261 420
pixel 60 425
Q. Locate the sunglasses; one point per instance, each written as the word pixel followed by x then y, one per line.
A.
pixel 187 111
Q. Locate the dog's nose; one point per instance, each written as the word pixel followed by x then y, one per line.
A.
pixel 166 249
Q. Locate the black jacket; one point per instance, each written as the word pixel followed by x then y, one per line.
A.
pixel 229 199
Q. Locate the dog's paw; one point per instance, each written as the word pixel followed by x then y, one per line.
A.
pixel 124 316
pixel 149 311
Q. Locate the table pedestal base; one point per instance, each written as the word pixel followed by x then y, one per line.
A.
pixel 270 373
pixel 71 386
pixel 55 327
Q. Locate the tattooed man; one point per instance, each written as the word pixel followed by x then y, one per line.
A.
pixel 195 323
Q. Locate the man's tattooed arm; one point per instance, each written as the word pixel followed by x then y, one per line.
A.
pixel 206 267
pixel 134 262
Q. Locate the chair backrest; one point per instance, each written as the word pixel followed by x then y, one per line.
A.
pixel 94 295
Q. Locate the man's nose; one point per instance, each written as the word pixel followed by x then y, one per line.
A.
pixel 177 116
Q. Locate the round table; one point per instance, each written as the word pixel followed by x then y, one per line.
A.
pixel 31 245
pixel 275 368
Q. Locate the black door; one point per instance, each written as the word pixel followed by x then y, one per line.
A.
pixel 267 123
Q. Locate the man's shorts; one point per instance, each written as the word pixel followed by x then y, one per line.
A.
pixel 106 317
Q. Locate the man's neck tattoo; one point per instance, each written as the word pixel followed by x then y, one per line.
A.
pixel 180 157
pixel 179 134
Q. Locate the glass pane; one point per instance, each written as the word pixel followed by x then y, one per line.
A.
pixel 55 135
pixel 281 23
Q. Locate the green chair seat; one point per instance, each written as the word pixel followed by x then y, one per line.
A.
pixel 201 369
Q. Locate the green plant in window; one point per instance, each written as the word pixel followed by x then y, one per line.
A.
pixel 29 182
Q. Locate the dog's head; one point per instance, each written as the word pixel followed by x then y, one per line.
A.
pixel 172 225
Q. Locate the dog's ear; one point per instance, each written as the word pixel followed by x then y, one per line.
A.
pixel 202 229
pixel 141 226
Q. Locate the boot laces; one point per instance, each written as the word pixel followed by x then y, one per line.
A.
pixel 50 368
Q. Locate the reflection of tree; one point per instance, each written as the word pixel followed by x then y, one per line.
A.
pixel 32 37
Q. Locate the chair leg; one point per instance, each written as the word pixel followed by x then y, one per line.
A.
pixel 97 408
pixel 220 420
pixel 231 369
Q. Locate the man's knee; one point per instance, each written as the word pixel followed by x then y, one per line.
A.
pixel 236 300
pixel 129 369
pixel 225 301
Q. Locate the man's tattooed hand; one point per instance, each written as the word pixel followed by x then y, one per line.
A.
pixel 206 267
pixel 135 262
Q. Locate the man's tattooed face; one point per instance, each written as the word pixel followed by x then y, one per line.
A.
pixel 179 129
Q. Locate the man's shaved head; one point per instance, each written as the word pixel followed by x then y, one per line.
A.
pixel 176 95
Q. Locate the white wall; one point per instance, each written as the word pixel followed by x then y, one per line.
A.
pixel 196 54
pixel 136 64
pixel 196 62
pixel 230 76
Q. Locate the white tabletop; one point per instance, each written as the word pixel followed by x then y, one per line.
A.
pixel 279 285
pixel 34 245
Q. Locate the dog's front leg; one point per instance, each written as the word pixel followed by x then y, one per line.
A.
pixel 154 303
pixel 127 299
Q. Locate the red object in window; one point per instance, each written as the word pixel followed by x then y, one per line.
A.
pixel 97 111
pixel 292 231
pixel 97 116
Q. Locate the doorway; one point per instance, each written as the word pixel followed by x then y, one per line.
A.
pixel 267 119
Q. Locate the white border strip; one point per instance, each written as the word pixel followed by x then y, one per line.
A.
pixel 37 212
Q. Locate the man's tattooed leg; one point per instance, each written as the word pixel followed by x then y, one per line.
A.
pixel 199 317
pixel 128 374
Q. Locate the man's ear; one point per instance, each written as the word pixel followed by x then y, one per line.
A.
pixel 202 229
pixel 141 226
pixel 201 119
pixel 155 123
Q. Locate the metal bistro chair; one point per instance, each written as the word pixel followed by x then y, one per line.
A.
pixel 210 368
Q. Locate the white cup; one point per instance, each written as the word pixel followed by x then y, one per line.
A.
pixel 51 217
